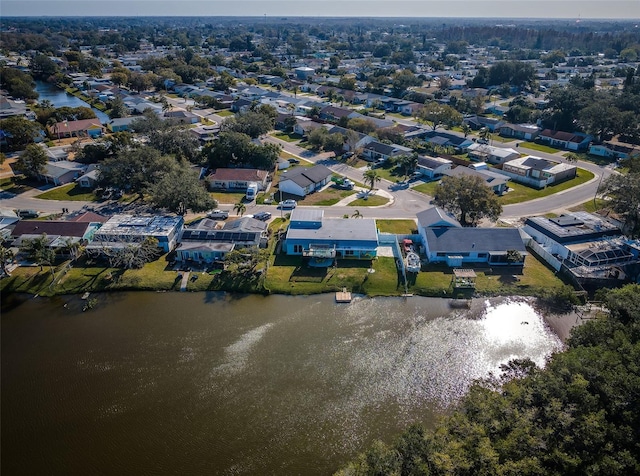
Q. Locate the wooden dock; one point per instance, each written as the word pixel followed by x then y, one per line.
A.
pixel 343 296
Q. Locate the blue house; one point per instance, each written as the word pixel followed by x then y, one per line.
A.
pixel 313 236
pixel 120 124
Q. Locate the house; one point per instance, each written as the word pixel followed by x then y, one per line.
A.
pixel 89 179
pixel 8 218
pixel 362 139
pixel 120 124
pixel 303 73
pixel 179 116
pixel 479 122
pixel 206 242
pixel 334 114
pixel 122 230
pixel 81 128
pixel 590 247
pixel 205 134
pixel 565 140
pixel 304 126
pixel 377 151
pixel 445 139
pixel 433 168
pixel 59 233
pixel 538 172
pixel 237 179
pixel 494 180
pixel 302 181
pixel 519 131
pixel 491 154
pixel 62 172
pixel 11 107
pixel 312 236
pixel 614 150
pixel 447 242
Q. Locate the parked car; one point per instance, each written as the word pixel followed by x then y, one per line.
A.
pixel 218 214
pixel 294 161
pixel 288 204
pixel 347 184
pixel 347 155
pixel 263 216
pixel 27 213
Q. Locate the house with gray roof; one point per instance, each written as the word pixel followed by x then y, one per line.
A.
pixel 375 150
pixel 538 172
pixel 313 236
pixel 494 180
pixel 447 242
pixel 491 154
pixel 432 168
pixel 62 172
pixel 301 181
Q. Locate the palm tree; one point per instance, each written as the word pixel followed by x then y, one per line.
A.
pixel 357 214
pixel 466 129
pixel 572 158
pixel 485 134
pixel 239 208
pixel 6 256
pixel 371 177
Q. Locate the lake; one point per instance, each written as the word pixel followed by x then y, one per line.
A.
pixel 214 383
pixel 60 98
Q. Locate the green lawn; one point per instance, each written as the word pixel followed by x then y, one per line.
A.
pixel 16 185
pixel 70 191
pixel 428 188
pixel 540 147
pixel 390 172
pixel 596 159
pixel 371 201
pixel 397 227
pixel 288 137
pixel 223 113
pixel 522 193
pixel 227 197
pixel 590 206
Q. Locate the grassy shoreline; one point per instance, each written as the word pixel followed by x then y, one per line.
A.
pixel 280 275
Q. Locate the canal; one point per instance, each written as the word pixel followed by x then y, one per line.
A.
pixel 60 98
pixel 181 383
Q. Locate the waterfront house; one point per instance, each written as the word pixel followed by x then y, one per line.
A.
pixel 120 124
pixel 302 181
pixel 312 235
pixel 122 230
pixel 59 234
pixel 446 241
pixel 538 172
pixel 81 128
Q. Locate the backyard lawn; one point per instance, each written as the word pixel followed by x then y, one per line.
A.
pixel 227 197
pixel 522 193
pixel 285 136
pixel 70 191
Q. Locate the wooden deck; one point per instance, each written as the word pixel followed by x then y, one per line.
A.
pixel 343 296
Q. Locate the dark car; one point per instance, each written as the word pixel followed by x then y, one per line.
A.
pixel 263 216
pixel 294 161
pixel 27 213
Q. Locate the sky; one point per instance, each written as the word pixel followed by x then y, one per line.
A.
pixel 578 9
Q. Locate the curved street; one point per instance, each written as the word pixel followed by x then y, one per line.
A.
pixel 405 203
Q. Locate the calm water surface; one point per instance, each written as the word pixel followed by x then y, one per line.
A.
pixel 60 98
pixel 153 383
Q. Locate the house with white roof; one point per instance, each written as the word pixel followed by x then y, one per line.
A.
pixel 538 172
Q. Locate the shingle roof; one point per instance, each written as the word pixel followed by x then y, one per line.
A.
pixel 464 240
pixel 246 175
pixel 436 215
pixel 306 176
pixel 50 227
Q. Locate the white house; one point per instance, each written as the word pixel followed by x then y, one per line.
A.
pixel 302 181
pixel 538 172
pixel 433 167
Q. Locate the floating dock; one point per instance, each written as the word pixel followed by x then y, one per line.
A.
pixel 343 296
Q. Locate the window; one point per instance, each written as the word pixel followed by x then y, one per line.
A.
pixel 348 253
pixel 297 248
pixel 482 255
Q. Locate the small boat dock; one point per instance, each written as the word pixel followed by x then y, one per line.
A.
pixel 343 296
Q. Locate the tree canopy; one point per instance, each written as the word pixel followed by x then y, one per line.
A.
pixel 32 161
pixel 181 190
pixel 468 198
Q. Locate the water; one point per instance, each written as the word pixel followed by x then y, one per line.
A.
pixel 177 383
pixel 60 98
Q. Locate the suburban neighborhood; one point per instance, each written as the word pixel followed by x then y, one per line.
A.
pixel 318 144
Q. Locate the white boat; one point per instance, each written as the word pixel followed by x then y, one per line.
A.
pixel 412 262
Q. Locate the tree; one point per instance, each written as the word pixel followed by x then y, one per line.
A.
pixel 252 123
pixel 118 109
pixel 6 257
pixel 436 114
pixel 43 67
pixel 623 197
pixel 37 249
pixel 357 214
pixel 32 161
pixel 181 190
pixel 485 134
pixel 135 255
pixel 371 177
pixel 240 208
pixel 468 198
pixel 466 129
pixel 176 141
pixel 19 131
pixel 408 163
pixel 136 169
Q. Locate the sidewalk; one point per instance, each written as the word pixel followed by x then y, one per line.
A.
pixel 376 191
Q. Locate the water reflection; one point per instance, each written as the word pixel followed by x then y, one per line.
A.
pixel 178 383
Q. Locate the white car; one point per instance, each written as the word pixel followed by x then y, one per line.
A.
pixel 288 204
pixel 218 214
